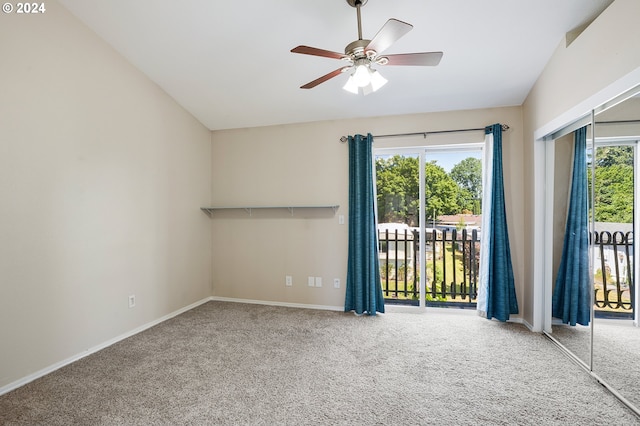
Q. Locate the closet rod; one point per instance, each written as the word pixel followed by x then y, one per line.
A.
pixel 344 139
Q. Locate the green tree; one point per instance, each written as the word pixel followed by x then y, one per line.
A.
pixel 398 191
pixel 614 184
pixel 441 192
pixel 468 175
pixel 607 156
pixel 397 182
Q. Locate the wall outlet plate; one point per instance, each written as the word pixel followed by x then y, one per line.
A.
pixel 318 281
pixel 336 283
pixel 288 281
pixel 311 281
pixel 132 301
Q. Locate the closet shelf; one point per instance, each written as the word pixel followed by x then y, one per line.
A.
pixel 210 210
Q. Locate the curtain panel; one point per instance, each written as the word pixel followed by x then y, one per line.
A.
pixel 496 293
pixel 363 289
pixel 571 294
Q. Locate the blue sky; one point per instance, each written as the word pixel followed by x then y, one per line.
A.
pixel 445 159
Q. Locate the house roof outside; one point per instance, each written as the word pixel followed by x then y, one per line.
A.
pixel 613 227
pixel 470 220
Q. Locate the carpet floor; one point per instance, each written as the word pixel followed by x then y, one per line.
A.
pixel 616 350
pixel 240 364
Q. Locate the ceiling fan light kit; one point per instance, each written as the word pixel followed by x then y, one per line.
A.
pixel 365 78
pixel 361 54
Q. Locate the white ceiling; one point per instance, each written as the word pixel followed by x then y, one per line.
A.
pixel 229 63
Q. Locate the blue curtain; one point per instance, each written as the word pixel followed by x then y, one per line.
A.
pixel 571 294
pixel 497 298
pixel 364 290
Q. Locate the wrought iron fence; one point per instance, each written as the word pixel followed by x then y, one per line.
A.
pixel 613 272
pixel 452 260
pixel 451 265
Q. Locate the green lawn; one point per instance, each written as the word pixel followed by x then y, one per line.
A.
pixel 398 292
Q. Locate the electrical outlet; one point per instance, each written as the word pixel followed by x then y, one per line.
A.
pixel 132 301
pixel 340 219
pixel 288 281
pixel 318 281
pixel 336 283
pixel 311 281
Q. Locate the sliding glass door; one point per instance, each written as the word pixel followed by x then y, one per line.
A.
pixel 399 214
pixel 429 215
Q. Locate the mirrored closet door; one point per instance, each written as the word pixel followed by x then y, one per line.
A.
pixel 573 331
pixel 605 337
pixel 616 337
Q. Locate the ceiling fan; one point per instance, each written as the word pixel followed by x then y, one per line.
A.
pixel 362 53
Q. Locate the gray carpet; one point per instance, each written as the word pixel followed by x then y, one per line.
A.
pixel 226 363
pixel 616 356
pixel 616 352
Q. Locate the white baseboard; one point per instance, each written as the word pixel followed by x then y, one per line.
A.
pixel 50 369
pixel 518 320
pixel 272 303
pixel 512 319
pixel 31 377
pixel 531 327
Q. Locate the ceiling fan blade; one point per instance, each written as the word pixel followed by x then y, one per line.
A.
pixel 390 32
pixel 306 50
pixel 322 79
pixel 425 59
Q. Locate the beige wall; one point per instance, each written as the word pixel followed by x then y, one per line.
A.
pixel 102 176
pixel 604 55
pixel 606 51
pixel 305 164
pixel 563 157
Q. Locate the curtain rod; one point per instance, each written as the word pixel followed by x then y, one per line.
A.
pixel 618 122
pixel 344 139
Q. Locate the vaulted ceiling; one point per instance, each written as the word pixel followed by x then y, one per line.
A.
pixel 229 63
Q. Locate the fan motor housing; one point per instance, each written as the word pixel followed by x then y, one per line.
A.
pixel 356 48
